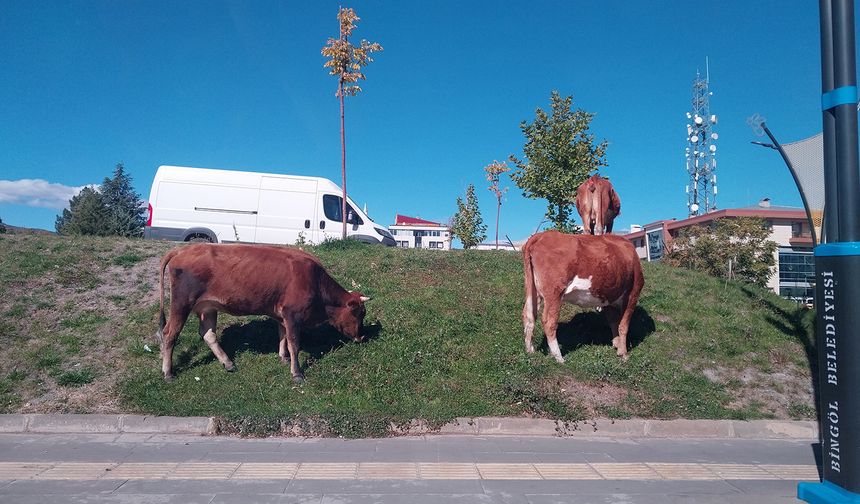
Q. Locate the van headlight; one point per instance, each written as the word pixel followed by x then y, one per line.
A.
pixel 383 233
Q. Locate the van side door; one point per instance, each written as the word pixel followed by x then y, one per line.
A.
pixel 287 210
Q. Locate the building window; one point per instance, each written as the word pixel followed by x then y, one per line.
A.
pixel 655 245
pixel 798 230
pixel 393 232
pixel 403 244
pixel 796 275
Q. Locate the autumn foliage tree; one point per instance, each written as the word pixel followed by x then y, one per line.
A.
pixel 560 154
pixel 494 171
pixel 346 63
pixel 467 224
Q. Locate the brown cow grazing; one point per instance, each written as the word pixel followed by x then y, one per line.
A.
pixel 288 285
pixel 598 204
pixel 589 271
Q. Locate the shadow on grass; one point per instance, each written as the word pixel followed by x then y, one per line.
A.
pixel 800 324
pixel 261 336
pixel 591 328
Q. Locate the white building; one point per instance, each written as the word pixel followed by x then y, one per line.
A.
pixel 411 232
pixel 504 244
pixel 794 271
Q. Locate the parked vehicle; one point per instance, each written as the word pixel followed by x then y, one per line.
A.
pixel 201 204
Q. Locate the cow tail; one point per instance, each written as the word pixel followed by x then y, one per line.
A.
pixel 162 321
pixel 528 271
pixel 595 208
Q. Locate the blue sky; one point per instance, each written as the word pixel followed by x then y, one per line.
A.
pixel 240 85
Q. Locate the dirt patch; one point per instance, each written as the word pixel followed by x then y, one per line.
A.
pixel 775 394
pixel 592 397
pixel 71 330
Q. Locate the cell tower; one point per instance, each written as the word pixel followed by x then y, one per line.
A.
pixel 701 152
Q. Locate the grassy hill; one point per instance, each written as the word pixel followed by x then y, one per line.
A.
pixel 78 315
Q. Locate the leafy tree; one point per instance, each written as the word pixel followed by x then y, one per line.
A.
pixel 742 242
pixel 560 154
pixel 86 215
pixel 494 170
pixel 467 224
pixel 124 207
pixel 346 63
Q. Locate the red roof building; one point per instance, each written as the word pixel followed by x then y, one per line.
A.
pixel 413 232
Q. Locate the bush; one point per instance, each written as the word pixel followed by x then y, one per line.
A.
pixel 733 248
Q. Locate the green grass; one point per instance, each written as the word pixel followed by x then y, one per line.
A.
pixel 446 341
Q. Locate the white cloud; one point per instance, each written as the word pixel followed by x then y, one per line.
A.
pixel 37 193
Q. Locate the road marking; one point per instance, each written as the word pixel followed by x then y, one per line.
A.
pixel 322 470
pixel 452 471
pixel 567 471
pixel 688 472
pixel 643 471
pixel 508 472
pixel 258 470
pixel 376 470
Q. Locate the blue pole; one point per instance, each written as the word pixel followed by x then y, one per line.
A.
pixel 837 266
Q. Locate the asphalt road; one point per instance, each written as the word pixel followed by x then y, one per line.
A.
pixel 143 468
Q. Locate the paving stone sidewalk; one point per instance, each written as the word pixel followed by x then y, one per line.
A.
pixel 172 468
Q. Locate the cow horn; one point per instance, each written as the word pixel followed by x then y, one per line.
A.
pixel 365 299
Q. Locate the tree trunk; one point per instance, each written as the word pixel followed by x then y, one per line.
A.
pixel 498 211
pixel 342 157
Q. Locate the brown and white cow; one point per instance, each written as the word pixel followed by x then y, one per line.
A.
pixel 585 270
pixel 288 285
pixel 598 204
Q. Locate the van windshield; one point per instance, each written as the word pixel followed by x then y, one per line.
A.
pixel 332 207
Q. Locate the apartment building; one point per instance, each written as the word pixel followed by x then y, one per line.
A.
pixel 412 232
pixel 794 271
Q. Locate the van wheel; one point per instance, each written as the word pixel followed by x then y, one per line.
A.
pixel 199 238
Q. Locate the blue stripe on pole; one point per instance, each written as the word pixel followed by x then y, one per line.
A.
pixel 839 96
pixel 838 249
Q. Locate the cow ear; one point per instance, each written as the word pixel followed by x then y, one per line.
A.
pixel 365 299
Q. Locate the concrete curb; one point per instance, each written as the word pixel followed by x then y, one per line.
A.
pixel 481 426
pixel 105 424
pixel 636 428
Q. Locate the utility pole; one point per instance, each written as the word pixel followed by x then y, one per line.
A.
pixel 837 266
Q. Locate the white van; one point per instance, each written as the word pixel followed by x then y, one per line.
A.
pixel 201 204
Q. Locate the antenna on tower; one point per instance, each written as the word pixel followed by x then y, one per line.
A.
pixel 701 150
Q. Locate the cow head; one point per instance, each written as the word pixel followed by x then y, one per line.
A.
pixel 349 318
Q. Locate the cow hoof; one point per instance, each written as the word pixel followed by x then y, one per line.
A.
pixel 169 377
pixel 624 357
pixel 231 369
pixel 298 378
pixel 560 360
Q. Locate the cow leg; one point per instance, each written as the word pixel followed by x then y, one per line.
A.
pixel 292 336
pixel 208 322
pixel 551 309
pixel 623 326
pixel 613 317
pixel 529 315
pixel 282 342
pixel 175 321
